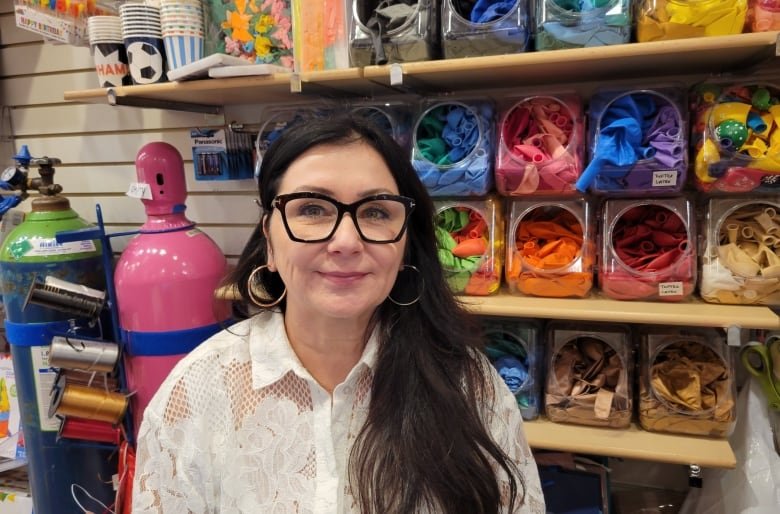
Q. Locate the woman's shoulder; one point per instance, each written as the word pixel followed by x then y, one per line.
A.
pixel 228 348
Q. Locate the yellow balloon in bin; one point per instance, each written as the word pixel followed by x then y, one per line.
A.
pixel 747 132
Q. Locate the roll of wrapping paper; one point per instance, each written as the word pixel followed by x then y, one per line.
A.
pixel 89 430
pixel 83 354
pixel 548 254
pixel 648 252
pixel 87 402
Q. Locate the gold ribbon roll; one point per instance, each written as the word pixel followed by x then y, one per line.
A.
pixel 87 403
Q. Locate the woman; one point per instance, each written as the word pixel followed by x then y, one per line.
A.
pixel 359 385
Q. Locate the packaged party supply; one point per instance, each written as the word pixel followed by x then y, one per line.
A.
pixel 648 249
pixel 541 145
pixel 637 142
pixel 260 32
pixel 686 381
pixel 469 236
pixel 550 247
pixel 514 347
pixel 452 146
pixel 472 29
pixel 581 23
pixel 735 137
pixel 741 259
pixel 320 39
pixel 589 374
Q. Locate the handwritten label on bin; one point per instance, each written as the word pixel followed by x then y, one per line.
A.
pixel 670 289
pixel 665 178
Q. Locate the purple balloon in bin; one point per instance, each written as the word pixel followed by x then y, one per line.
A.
pixel 638 142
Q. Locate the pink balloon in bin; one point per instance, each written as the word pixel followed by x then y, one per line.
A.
pixel 165 280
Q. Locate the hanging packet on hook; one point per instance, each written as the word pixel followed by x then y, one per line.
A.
pixel 221 154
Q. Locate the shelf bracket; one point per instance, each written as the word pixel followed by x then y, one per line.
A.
pixel 406 83
pixel 137 101
pixel 734 335
pixel 694 476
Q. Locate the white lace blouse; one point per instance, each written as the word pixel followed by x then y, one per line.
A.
pixel 240 426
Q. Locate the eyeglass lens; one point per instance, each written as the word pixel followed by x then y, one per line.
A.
pixel 316 218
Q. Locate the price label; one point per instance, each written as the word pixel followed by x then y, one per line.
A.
pixel 139 190
pixel 666 178
pixel 670 289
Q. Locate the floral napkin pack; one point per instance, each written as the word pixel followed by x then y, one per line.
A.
pixel 259 31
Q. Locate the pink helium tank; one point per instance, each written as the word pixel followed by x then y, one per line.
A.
pixel 165 280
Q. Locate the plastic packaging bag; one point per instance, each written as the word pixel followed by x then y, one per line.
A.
pixel 753 487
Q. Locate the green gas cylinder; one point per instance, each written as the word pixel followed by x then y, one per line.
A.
pixel 31 252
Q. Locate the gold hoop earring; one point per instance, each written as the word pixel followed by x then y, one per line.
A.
pixel 255 300
pixel 421 288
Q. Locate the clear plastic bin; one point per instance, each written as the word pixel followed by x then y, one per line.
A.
pixel 394 116
pixel 638 143
pixel 736 137
pixel 452 147
pixel 658 20
pixel 648 249
pixel 514 348
pixel 469 234
pixel 741 258
pixel 589 374
pixel 686 382
pixel 473 29
pixel 550 250
pixel 578 24
pixel 763 15
pixel 275 120
pixel 541 145
pixel 379 36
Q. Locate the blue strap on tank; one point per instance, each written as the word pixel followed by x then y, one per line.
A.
pixel 34 334
pixel 172 342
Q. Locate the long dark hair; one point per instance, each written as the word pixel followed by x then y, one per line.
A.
pixel 424 444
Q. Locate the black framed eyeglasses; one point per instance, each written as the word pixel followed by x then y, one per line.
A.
pixel 314 217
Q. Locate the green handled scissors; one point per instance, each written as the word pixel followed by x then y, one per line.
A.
pixel 758 360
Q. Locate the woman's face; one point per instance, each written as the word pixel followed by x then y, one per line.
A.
pixel 343 277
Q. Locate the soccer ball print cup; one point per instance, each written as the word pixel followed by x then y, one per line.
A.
pixel 146 59
pixel 142 35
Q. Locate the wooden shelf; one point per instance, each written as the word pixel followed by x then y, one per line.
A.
pixel 631 443
pixel 655 59
pixel 714 55
pixel 694 312
pixel 276 87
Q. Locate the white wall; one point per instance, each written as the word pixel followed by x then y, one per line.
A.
pixel 97 143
